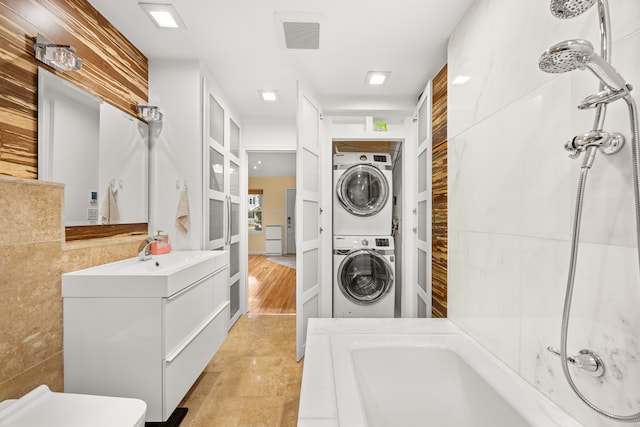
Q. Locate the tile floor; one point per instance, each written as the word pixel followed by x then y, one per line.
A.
pixel 253 380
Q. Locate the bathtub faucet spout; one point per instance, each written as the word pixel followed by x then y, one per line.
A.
pixel 585 359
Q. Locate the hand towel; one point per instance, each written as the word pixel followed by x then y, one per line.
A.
pixel 109 213
pixel 182 217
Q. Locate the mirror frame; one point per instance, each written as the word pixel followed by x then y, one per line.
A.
pixel 83 232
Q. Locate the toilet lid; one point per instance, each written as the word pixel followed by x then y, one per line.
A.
pixel 42 407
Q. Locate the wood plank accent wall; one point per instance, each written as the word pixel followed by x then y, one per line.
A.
pixel 387 147
pixel 113 69
pixel 439 189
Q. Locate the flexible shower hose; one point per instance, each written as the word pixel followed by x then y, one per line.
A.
pixel 633 116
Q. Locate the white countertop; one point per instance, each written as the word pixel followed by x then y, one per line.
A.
pixel 161 276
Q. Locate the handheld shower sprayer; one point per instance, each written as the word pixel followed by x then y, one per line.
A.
pixel 564 9
pixel 570 55
pixel 561 58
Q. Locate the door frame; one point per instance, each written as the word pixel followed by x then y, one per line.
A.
pixel 244 232
pixel 419 147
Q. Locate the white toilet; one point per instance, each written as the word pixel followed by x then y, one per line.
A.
pixel 42 407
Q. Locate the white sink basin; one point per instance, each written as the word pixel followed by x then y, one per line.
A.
pixel 160 276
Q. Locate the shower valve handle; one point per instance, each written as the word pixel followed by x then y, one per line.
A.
pixel 574 153
pixel 585 359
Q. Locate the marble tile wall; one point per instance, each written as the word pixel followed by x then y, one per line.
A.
pixel 512 191
pixel 33 255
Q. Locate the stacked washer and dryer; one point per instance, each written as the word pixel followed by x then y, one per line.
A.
pixel 363 248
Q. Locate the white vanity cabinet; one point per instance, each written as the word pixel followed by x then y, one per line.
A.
pixel 145 329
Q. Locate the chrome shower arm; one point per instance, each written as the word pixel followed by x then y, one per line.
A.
pixel 604 23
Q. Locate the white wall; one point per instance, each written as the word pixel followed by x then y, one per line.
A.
pixel 273 133
pixel 512 191
pixel 176 152
pixel 176 148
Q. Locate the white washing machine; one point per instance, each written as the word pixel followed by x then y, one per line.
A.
pixel 363 276
pixel 362 196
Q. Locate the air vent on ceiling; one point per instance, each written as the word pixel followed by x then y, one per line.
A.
pixel 302 35
pixel 301 30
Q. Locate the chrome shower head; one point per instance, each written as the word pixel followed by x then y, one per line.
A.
pixel 565 9
pixel 566 56
pixel 578 54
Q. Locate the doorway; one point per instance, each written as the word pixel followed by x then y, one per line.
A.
pixel 271 274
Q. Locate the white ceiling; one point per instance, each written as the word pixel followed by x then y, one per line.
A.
pixel 240 43
pixel 271 164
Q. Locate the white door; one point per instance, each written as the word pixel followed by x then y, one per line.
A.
pixel 222 190
pixel 423 209
pixel 308 251
pixel 290 197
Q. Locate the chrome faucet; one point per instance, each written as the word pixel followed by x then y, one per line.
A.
pixel 145 253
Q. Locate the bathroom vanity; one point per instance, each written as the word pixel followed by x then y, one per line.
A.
pixel 145 329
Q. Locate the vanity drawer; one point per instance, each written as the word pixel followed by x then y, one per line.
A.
pixel 186 310
pixel 186 363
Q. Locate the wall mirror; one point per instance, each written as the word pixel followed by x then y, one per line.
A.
pixel 99 152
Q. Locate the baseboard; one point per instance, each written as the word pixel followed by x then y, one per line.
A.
pixel 256 252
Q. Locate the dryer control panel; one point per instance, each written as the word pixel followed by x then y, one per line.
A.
pixel 362 242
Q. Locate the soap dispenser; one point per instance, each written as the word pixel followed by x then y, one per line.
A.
pixel 163 246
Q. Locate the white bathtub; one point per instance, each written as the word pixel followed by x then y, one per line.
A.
pixel 409 372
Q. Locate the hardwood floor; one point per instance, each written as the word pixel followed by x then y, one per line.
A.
pixel 272 287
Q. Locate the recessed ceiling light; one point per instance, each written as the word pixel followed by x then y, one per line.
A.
pixel 163 15
pixel 460 80
pixel 377 78
pixel 269 95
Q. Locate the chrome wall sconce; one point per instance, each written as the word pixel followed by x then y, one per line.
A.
pixel 149 113
pixel 61 57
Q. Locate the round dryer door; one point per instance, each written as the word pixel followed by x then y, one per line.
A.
pixel 364 277
pixel 363 190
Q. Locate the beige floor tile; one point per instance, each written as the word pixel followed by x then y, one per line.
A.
pixel 253 380
pixel 224 412
pixel 270 411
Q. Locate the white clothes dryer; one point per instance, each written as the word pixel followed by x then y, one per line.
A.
pixel 362 196
pixel 364 276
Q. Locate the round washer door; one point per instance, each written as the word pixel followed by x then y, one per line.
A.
pixel 363 190
pixel 364 277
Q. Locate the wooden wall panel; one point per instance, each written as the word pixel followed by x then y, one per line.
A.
pixel 113 69
pixel 439 206
pixel 364 146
